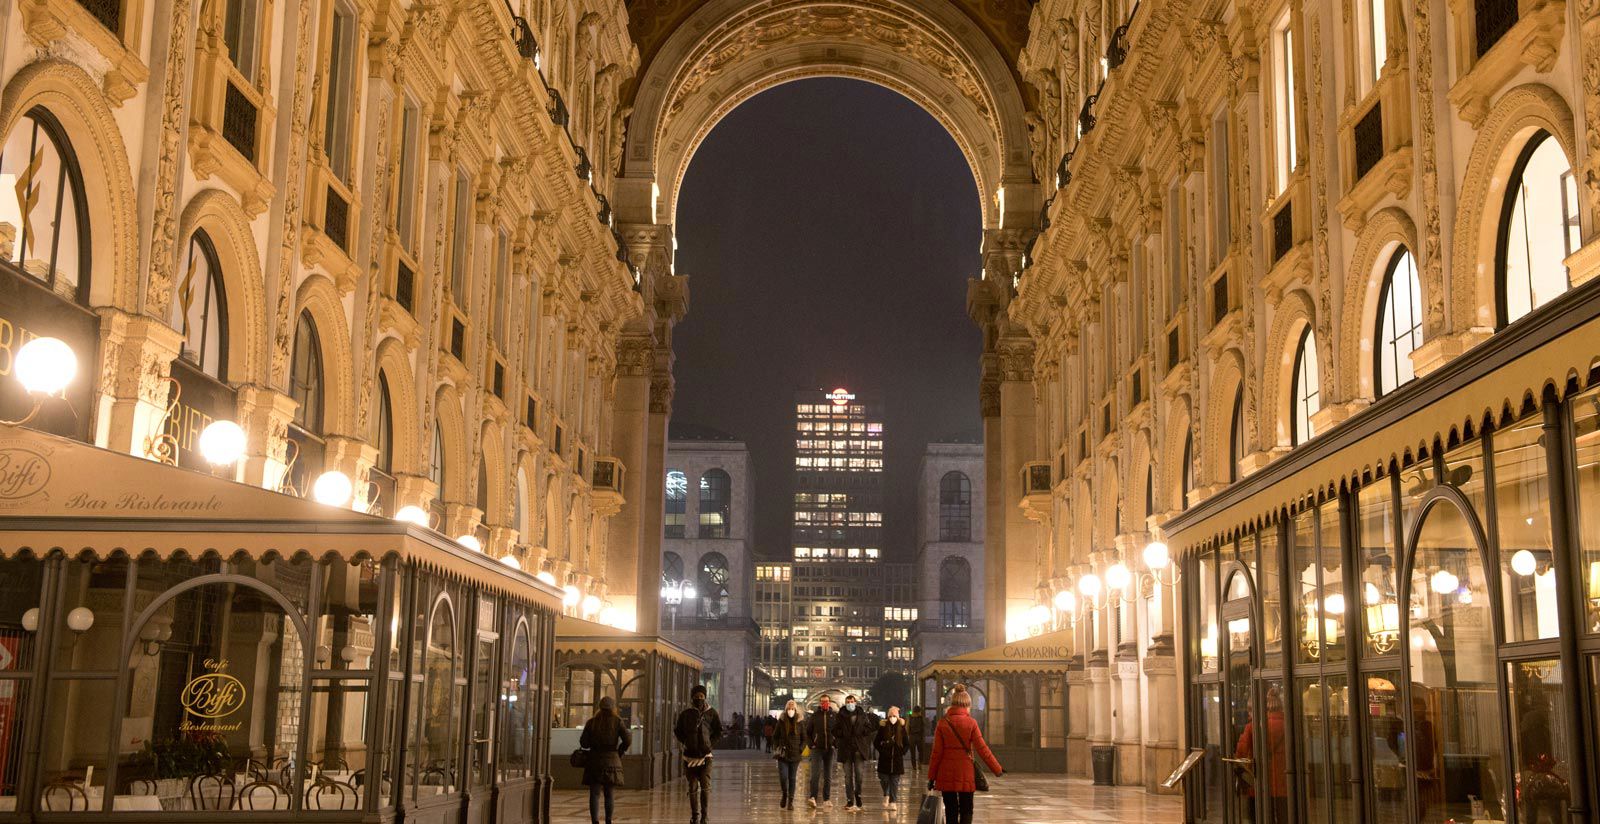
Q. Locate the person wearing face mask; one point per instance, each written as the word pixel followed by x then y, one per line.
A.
pixel 856 731
pixel 697 731
pixel 893 741
pixel 788 742
pixel 822 736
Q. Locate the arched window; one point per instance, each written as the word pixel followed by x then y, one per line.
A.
pixel 1236 435
pixel 672 567
pixel 677 503
pixel 436 457
pixel 382 474
pixel 713 585
pixel 955 593
pixel 1307 390
pixel 716 510
pixel 49 210
pixel 438 730
pixel 1399 322
pixel 305 387
pixel 200 308
pixel 1539 229
pixel 305 377
pixel 1188 470
pixel 955 507
pixel 524 508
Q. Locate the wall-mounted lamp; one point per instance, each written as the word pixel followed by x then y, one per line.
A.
pixel 80 619
pixel 332 488
pixel 30 620
pixel 44 367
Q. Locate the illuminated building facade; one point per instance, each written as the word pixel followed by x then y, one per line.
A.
pixel 706 574
pixel 949 569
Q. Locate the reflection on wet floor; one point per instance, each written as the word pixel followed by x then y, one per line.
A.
pixel 744 788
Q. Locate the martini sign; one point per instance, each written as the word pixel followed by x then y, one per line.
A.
pixel 841 396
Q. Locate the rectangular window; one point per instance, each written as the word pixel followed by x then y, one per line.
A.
pixel 1172 230
pixel 405 185
pixel 1376 47
pixel 1221 217
pixel 502 273
pixel 1283 100
pixel 461 239
pixel 241 33
pixel 336 136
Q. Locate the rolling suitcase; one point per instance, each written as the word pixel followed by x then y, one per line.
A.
pixel 932 811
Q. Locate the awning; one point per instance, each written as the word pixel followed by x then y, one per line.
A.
pixel 61 495
pixel 575 636
pixel 1562 341
pixel 1046 654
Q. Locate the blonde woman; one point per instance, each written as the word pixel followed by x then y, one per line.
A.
pixel 788 747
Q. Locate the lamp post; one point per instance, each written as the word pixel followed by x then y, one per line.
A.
pixel 674 593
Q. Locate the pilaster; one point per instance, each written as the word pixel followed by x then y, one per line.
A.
pixel 136 355
pixel 265 415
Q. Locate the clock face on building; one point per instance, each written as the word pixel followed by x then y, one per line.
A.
pixel 841 396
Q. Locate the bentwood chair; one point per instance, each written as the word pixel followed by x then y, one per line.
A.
pixel 327 794
pixel 213 791
pixel 62 795
pixel 262 795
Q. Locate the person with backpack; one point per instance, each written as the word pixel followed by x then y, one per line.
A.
pixel 822 736
pixel 697 731
pixel 892 742
pixel 953 767
pixel 606 737
pixel 856 731
pixel 788 741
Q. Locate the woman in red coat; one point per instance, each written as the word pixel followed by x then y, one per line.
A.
pixel 955 741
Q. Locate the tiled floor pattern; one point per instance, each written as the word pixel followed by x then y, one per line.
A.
pixel 744 790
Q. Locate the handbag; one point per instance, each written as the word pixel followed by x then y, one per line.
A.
pixel 979 781
pixel 579 758
pixel 932 810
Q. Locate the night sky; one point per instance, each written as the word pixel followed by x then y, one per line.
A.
pixel 828 228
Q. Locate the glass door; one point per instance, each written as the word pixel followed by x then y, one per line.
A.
pixel 1246 777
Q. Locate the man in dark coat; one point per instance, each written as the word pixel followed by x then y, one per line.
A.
pixel 822 736
pixel 857 729
pixel 606 737
pixel 697 731
pixel 917 728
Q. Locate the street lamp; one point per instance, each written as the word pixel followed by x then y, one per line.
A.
pixel 674 593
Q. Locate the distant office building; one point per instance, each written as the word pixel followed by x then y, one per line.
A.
pixel 950 550
pixel 706 564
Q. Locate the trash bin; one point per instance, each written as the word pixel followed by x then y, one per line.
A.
pixel 1104 761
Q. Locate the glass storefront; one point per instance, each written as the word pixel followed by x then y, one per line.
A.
pixel 1467 578
pixel 342 688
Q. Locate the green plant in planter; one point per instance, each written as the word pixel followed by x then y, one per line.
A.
pixel 185 757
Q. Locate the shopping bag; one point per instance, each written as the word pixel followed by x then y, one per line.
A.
pixel 932 811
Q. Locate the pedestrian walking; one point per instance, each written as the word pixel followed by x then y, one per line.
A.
pixel 768 728
pixel 917 729
pixel 754 725
pixel 697 731
pixel 822 736
pixel 892 742
pixel 788 743
pixel 606 737
pixel 857 730
pixel 952 768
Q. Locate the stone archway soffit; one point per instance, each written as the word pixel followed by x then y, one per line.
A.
pixel 1003 23
pixel 677 148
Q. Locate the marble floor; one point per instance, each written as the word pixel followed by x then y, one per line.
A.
pixel 744 788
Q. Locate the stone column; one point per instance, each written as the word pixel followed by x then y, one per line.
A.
pixel 355 458
pixel 655 498
pixel 1161 753
pixel 630 436
pixel 264 415
pixel 136 354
